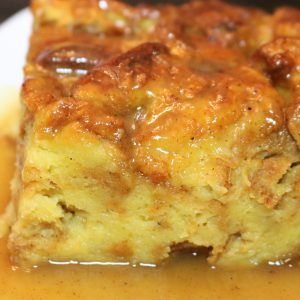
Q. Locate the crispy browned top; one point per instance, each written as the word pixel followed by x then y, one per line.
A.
pixel 155 80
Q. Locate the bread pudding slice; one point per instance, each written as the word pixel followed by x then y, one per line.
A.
pixel 150 129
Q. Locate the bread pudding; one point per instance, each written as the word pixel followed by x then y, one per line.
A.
pixel 151 129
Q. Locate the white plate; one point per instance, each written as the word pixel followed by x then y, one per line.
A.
pixel 14 40
pixel 14 35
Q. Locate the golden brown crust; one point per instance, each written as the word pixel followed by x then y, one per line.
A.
pixel 287 22
pixel 282 59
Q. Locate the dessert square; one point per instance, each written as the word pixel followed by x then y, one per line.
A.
pixel 151 129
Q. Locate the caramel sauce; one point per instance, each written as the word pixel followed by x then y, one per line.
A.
pixel 183 277
pixel 7 159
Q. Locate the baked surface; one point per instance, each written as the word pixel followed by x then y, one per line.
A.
pixel 155 128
